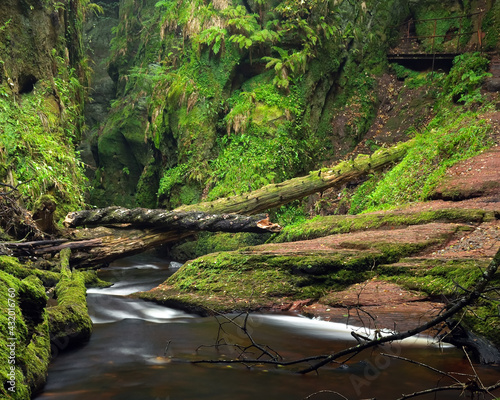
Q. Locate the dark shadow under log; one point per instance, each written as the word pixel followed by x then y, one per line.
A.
pixel 145 229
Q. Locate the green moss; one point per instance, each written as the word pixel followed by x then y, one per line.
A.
pixel 148 186
pixel 450 278
pixel 259 280
pixel 92 280
pixel 13 267
pixel 72 289
pixel 438 19
pixel 335 224
pixel 38 355
pixel 22 303
pixel 69 321
pixel 483 318
pixel 435 277
pixel 207 242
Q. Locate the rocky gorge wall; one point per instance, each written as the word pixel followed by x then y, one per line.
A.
pixel 195 83
pixel 42 79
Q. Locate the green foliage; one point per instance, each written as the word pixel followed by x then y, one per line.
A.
pixel 92 7
pixel 357 101
pixel 359 200
pixel 171 177
pixel 147 188
pixel 266 160
pixel 5 25
pixel 217 117
pixel 291 213
pixel 491 27
pixel 450 138
pixel 415 79
pixel 39 152
pixel 287 65
pixel 463 83
pixel 213 37
pixel 453 135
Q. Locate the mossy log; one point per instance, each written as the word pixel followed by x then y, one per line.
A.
pixel 275 195
pixel 142 229
pixel 69 321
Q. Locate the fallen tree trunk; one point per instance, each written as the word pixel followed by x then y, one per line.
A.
pixel 171 220
pixel 97 247
pixel 267 197
pixel 114 244
pixel 102 245
pixel 142 229
pixel 274 195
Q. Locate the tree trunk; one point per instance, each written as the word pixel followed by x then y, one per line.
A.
pixel 171 220
pixel 274 195
pixel 103 245
pixel 145 229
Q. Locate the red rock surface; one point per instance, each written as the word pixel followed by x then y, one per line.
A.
pixel 379 304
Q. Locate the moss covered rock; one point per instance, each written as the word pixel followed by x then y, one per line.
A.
pixel 334 224
pixel 451 278
pixel 266 275
pixel 69 322
pixel 25 339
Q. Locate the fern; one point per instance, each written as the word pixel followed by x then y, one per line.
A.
pixel 212 37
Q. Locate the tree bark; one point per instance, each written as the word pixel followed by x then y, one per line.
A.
pixel 275 195
pixel 171 220
pixel 94 247
pixel 145 229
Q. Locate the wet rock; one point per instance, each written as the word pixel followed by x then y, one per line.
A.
pixel 482 349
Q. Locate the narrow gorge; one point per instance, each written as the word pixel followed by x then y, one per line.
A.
pixel 282 183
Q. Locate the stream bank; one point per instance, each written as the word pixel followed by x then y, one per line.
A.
pixel 140 350
pixel 392 269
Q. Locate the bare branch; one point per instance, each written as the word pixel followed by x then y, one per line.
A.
pixel 264 350
pixel 472 296
pixel 325 391
pixel 422 365
pixel 470 386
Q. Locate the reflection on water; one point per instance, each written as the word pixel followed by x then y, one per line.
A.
pixel 140 350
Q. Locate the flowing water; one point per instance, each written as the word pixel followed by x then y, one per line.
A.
pixel 140 350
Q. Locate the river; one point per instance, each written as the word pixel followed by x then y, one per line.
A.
pixel 142 351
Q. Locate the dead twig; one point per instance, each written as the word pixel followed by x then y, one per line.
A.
pixel 264 350
pixel 470 386
pixel 325 391
pixel 421 365
pixel 463 302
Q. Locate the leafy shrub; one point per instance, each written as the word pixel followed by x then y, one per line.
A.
pixel 463 83
pixel 37 150
pixel 449 139
pixel 171 177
